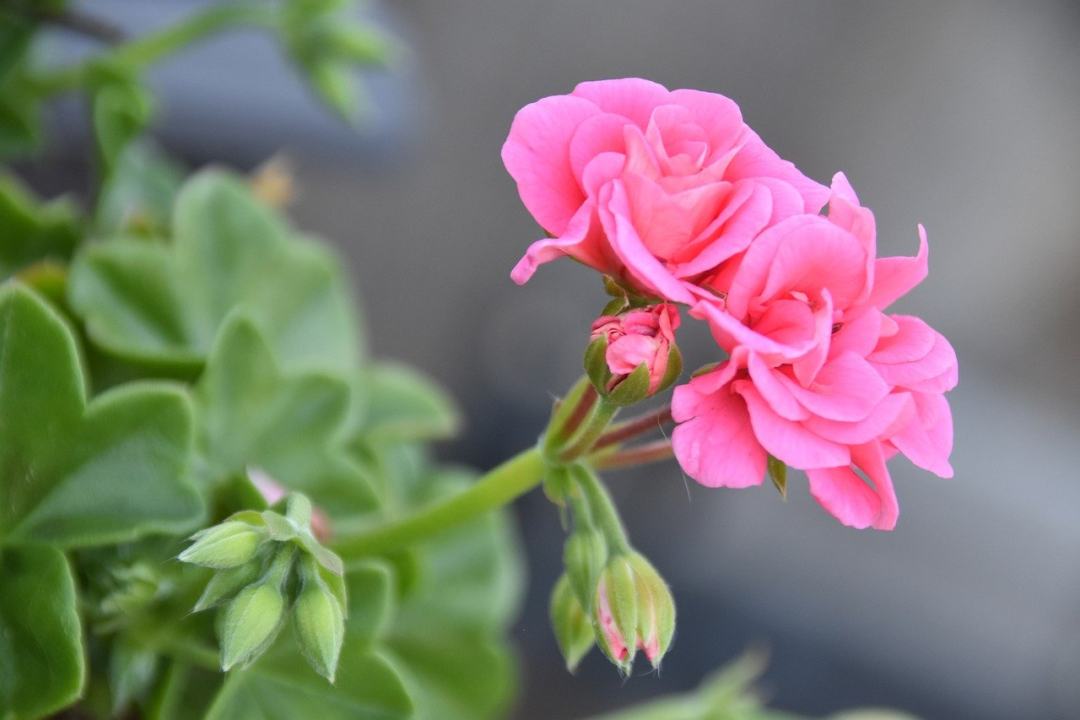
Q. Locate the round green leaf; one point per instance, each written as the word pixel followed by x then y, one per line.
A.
pixel 41 654
pixel 76 474
pixel 163 304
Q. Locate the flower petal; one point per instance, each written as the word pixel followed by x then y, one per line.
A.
pixel 787 440
pixel 714 444
pixel 536 154
pixel 895 276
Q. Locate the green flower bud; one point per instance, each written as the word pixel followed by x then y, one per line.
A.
pixel 251 622
pixel 615 612
pixel 226 583
pixel 572 627
pixel 584 556
pixel 655 610
pixel 253 618
pixel 226 545
pixel 319 623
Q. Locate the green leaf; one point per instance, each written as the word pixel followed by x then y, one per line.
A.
pixel 334 83
pixel 403 405
pixel 33 231
pixel 41 654
pixel 163 304
pixel 77 474
pixel 281 686
pixel 121 109
pixel 137 197
pixel 288 425
pixel 448 634
pixel 20 113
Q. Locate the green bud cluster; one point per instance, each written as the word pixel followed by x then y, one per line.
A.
pixel 610 594
pixel 269 567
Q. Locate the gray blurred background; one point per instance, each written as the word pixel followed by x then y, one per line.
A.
pixel 961 115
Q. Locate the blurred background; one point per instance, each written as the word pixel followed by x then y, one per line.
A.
pixel 960 115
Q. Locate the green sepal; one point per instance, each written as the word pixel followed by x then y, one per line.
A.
pixel 633 389
pixel 596 366
pixel 778 475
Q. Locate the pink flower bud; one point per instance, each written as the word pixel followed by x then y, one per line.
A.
pixel 639 337
pixel 272 491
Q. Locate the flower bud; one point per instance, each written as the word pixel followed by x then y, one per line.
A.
pixel 584 556
pixel 573 631
pixel 633 356
pixel 655 610
pixel 251 622
pixel 319 622
pixel 226 583
pixel 614 613
pixel 227 545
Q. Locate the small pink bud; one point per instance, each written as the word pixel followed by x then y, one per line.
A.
pixel 639 337
pixel 272 491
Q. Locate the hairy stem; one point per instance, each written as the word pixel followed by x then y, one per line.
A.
pixel 641 455
pixel 498 487
pixel 633 427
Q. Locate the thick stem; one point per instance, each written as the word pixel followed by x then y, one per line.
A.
pixel 634 427
pixel 566 421
pixel 500 486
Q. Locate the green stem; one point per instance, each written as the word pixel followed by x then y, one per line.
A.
pixel 150 48
pixel 500 486
pixel 592 429
pixel 602 509
pixel 629 457
pixel 191 652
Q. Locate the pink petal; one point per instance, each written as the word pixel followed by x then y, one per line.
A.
pixel 893 412
pixel 787 440
pixel 582 240
pixel 745 214
pixel 895 276
pixel 850 499
pixel 633 98
pixel 935 370
pixel 756 159
pixel 858 334
pixel 809 365
pixel 627 244
pixel 928 439
pixel 629 351
pixel 818 255
pixel 596 135
pixel 774 392
pixel 847 388
pixel 730 333
pixel 717 115
pixel 714 443
pixel 536 154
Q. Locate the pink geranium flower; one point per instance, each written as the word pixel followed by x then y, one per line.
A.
pixel 818 376
pixel 654 187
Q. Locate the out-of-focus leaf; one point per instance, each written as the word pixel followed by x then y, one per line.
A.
pixel 121 110
pixel 31 231
pixel 163 304
pixel 77 474
pixel 253 414
pixel 41 654
pixel 131 672
pixel 449 632
pixel 138 195
pixel 404 405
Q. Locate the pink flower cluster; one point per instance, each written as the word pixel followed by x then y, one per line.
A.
pixel 672 194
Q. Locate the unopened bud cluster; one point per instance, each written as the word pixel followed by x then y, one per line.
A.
pixel 269 568
pixel 610 594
